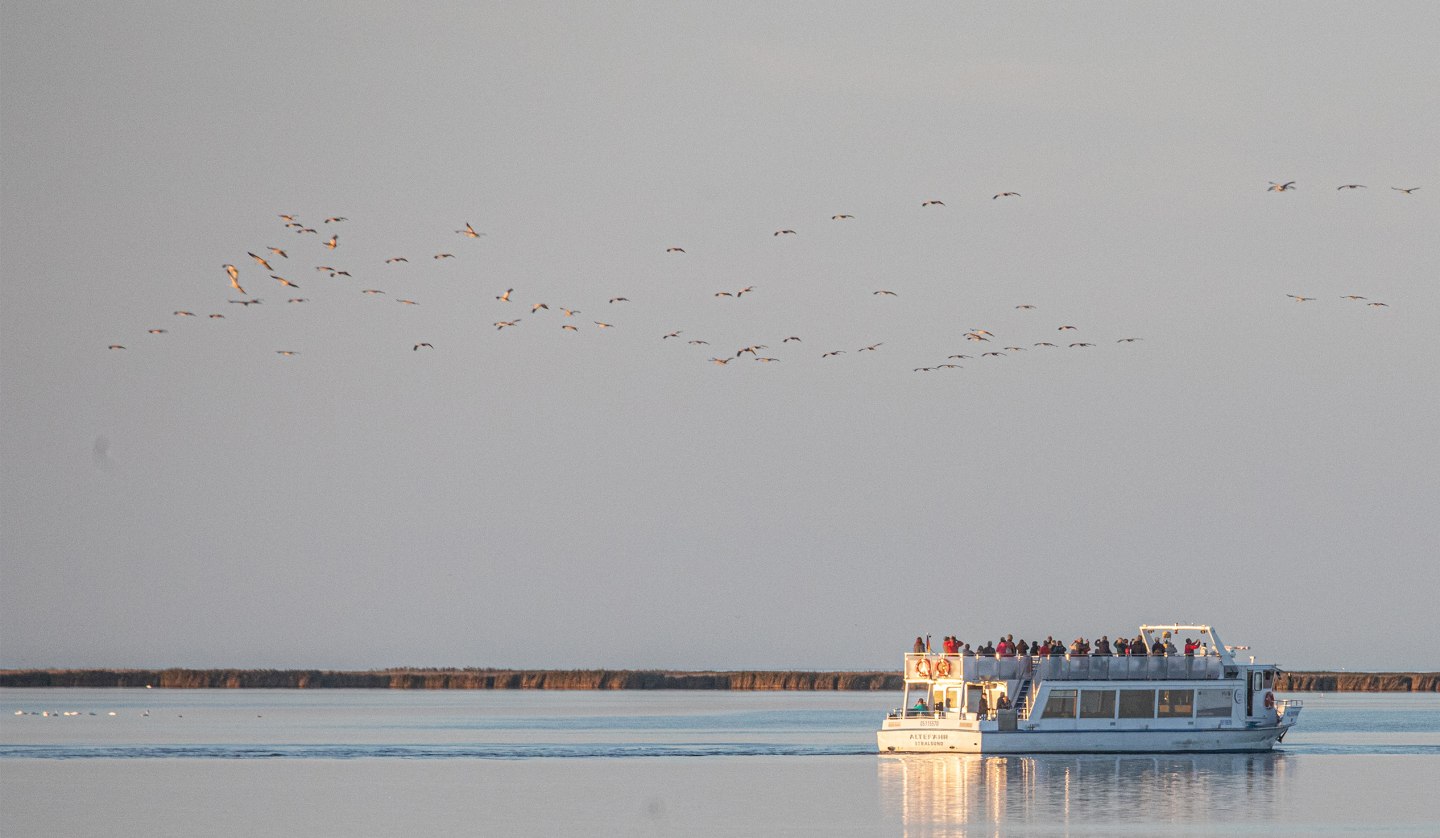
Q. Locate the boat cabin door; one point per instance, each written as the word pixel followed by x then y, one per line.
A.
pixel 972 695
pixel 1259 689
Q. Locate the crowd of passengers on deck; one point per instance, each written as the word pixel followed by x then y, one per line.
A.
pixel 1009 647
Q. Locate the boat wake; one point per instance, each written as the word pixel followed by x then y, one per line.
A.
pixel 476 751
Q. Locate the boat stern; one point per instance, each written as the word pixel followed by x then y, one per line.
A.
pixel 928 736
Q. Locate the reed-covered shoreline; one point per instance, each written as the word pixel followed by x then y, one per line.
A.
pixel 451 679
pixel 592 679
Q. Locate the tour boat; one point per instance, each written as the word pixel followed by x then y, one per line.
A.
pixel 1205 702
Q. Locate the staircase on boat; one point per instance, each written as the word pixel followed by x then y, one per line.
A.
pixel 1023 697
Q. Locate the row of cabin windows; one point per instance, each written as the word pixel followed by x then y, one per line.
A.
pixel 1138 704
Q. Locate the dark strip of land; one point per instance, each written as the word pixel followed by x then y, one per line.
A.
pixel 451 679
pixel 592 679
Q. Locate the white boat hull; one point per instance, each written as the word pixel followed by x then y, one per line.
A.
pixel 961 741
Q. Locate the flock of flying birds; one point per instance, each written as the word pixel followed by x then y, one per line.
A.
pixel 1290 184
pixel 276 262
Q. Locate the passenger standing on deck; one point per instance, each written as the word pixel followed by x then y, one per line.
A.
pixel 1137 647
pixel 1190 645
pixel 1022 648
pixel 967 651
pixel 1002 649
pixel 1102 646
pixel 1157 648
pixel 919 645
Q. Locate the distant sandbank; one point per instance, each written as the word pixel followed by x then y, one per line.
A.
pixel 592 679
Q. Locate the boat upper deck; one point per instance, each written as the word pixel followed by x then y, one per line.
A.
pixel 929 667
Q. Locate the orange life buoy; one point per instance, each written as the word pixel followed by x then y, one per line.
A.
pixel 923 668
pixel 1269 700
pixel 942 668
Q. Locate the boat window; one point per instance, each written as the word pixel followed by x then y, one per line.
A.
pixel 1060 705
pixel 1097 704
pixel 1212 704
pixel 1177 704
pixel 1137 704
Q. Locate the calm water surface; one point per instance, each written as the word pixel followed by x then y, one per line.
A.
pixel 339 762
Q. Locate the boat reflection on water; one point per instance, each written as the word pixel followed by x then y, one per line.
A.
pixel 974 794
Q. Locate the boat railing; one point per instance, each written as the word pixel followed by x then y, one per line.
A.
pixel 965 668
pixel 912 713
pixel 1064 668
pixel 1149 668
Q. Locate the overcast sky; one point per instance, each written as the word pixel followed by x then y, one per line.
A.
pixel 539 497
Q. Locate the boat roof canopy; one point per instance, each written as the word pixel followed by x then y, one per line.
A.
pixel 1207 633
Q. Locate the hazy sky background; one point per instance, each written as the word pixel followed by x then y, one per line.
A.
pixel 542 498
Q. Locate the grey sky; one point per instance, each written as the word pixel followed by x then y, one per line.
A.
pixel 536 497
